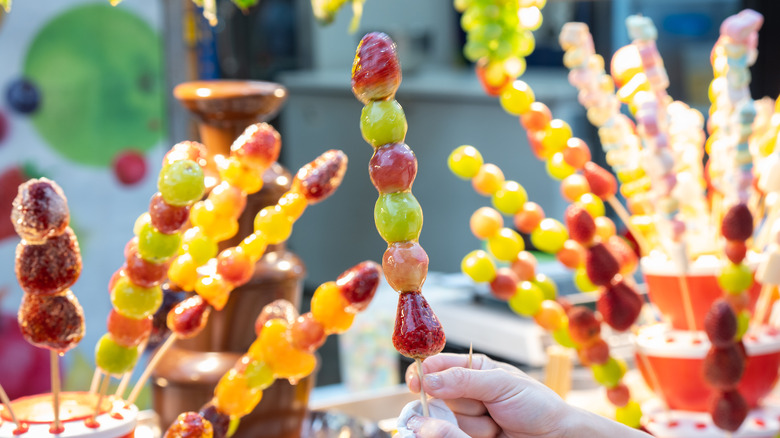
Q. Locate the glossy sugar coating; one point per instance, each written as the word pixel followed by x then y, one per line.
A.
pixel 258 146
pixel 114 358
pixel 49 267
pixel 358 284
pixel 393 168
pixel 128 332
pixel 376 72
pixel 165 217
pixel 418 332
pixel 277 309
pixel 40 210
pixel 55 322
pixel 189 317
pixel 219 421
pixel 320 178
pixel 190 425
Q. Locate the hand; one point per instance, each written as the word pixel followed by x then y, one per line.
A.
pixel 494 399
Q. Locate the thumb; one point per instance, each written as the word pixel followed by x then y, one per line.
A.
pixel 483 385
pixel 426 427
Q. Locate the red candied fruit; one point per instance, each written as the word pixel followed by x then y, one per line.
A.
pixel 142 272
pixel 600 265
pixel 619 395
pixel 584 327
pixel 504 286
pixel 55 322
pixel 186 150
pixel 393 168
pixel 737 223
pixel 582 227
pixel 602 183
pixel 619 305
pixel 235 266
pixel 167 218
pixel 537 117
pixel 188 317
pixel 258 145
pixel 405 265
pixel 729 410
pixel 190 425
pixel 128 332
pixel 50 267
pixel 376 71
pixel 723 367
pixel 720 324
pixel 320 178
pixel 40 210
pixel 358 284
pixel 307 334
pixel 219 422
pixel 418 333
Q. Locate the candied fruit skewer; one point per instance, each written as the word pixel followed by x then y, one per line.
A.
pixel 7 404
pixel 376 76
pixel 284 349
pixel 313 183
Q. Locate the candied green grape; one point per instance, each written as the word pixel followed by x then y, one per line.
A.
pixel 474 50
pixel 465 161
pixel 735 278
pixel 114 358
pixel 134 301
pixel 527 301
pixel 509 199
pixel 383 122
pixel 478 266
pixel 610 373
pixel 547 285
pixel 258 375
pixel 505 244
pixel 549 236
pixel 523 43
pixel 582 281
pixel 592 203
pixel 139 223
pixel 398 217
pixel 562 336
pixel 630 414
pixel 154 246
pixel 181 183
pixel 198 245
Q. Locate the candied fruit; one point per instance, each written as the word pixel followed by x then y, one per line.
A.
pixel 55 322
pixel 418 333
pixel 50 267
pixel 190 425
pixel 359 283
pixel 40 210
pixel 320 178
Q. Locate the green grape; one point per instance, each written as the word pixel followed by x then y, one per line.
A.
pixel 503 50
pixel 258 375
pixel 181 183
pixel 505 244
pixel 143 219
pixel 478 266
pixel 398 216
pixel 630 414
pixel 156 247
pixel 471 19
pixel 562 336
pixel 474 50
pixel 735 279
pixel 114 358
pixel 743 323
pixel 523 43
pixel 134 301
pixel 383 122
pixel 527 300
pixel 198 245
pixel 547 285
pixel 610 373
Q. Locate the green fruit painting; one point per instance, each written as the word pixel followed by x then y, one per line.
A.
pixel 99 73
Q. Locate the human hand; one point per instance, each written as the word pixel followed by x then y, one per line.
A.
pixel 494 399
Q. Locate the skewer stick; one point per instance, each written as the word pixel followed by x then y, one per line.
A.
pixel 150 367
pixel 101 395
pixel 653 377
pixel 7 402
pixel 423 397
pixel 55 387
pixel 763 304
pixel 471 355
pixel 93 387
pixel 687 303
pixel 120 390
pixel 625 217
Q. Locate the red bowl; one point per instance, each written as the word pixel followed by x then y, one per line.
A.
pixel 665 291
pixel 671 362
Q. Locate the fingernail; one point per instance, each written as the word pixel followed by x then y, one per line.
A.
pixel 433 381
pixel 415 423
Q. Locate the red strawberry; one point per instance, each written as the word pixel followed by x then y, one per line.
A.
pixel 624 254
pixel 418 332
pixel 376 72
pixel 584 327
pixel 737 224
pixel 580 223
pixel 619 305
pixel 729 410
pixel 259 145
pixel 358 284
pixel 600 265
pixel 723 367
pixel 602 183
pixel 720 324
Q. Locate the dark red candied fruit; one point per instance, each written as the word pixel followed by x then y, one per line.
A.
pixel 602 183
pixel 40 210
pixel 142 272
pixel 376 71
pixel 188 317
pixel 258 145
pixel 220 422
pixel 358 284
pixel 167 218
pixel 582 227
pixel 55 322
pixel 737 224
pixel 126 331
pixel 190 425
pixel 418 333
pixel 728 410
pixel 320 178
pixel 723 367
pixel 720 324
pixel 393 168
pixel 600 264
pixel 50 267
pixel 620 305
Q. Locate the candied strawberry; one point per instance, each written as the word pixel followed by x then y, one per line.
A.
pixel 728 410
pixel 40 210
pixel 189 317
pixel 720 324
pixel 723 367
pixel 320 178
pixel 376 71
pixel 602 183
pixel 50 267
pixel 737 224
pixel 619 305
pixel 600 265
pixel 582 227
pixel 418 333
pixel 359 283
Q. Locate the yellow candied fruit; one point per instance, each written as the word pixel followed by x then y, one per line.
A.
pixel 277 351
pixel 254 245
pixel 239 175
pixel 273 224
pixel 293 204
pixel 214 289
pixel 183 272
pixel 556 134
pixel 233 396
pixel 328 307
pixel 222 228
pixel 203 214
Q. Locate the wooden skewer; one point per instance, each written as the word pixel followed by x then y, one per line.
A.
pixel 471 355
pixel 55 387
pixel 7 402
pixel 423 397
pixel 153 363
pixel 120 390
pixel 101 395
pixel 653 378
pixel 763 304
pixel 687 303
pixel 625 217
pixel 93 387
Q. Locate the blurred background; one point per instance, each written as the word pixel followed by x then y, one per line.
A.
pixel 87 101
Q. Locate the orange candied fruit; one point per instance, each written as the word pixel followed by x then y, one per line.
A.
pixel 293 204
pixel 183 272
pixel 488 179
pixel 254 245
pixel 274 347
pixel 234 397
pixel 214 289
pixel 239 175
pixel 273 224
pixel 329 308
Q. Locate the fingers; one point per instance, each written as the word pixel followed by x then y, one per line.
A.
pixel 465 406
pixel 444 361
pixel 434 428
pixel 487 386
pixel 478 426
